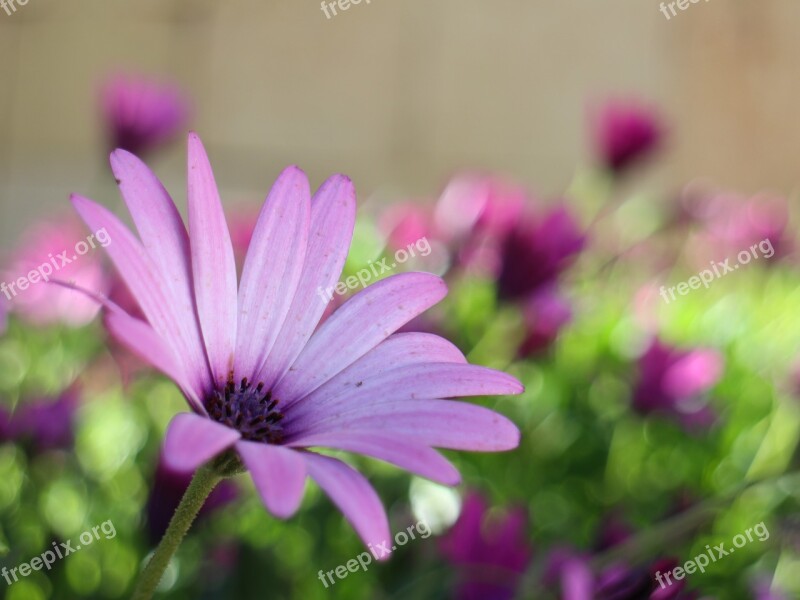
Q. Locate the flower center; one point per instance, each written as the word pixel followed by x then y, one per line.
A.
pixel 248 409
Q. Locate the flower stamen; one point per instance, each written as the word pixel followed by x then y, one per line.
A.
pixel 248 410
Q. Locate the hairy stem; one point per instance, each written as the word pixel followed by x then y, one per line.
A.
pixel 203 483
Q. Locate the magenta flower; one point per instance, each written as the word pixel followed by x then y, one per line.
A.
pixel 42 423
pixel 475 214
pixel 259 377
pixel 570 572
pixel 491 560
pixel 404 224
pixel 759 225
pixel 544 313
pixel 762 590
pixel 48 251
pixel 537 250
pixel 624 133
pixel 674 382
pixel 242 223
pixel 141 114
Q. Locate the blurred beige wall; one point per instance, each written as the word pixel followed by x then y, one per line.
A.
pixel 398 93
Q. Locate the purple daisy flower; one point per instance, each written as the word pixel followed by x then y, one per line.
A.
pixel 141 114
pixel 259 375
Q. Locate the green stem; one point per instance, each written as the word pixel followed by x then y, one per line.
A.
pixel 203 483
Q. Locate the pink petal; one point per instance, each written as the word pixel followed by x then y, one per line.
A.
pixel 353 495
pixel 416 458
pixel 278 473
pixel 192 440
pixel 356 327
pixel 333 211
pixel 439 423
pixel 422 381
pixel 272 269
pixel 141 339
pixel 164 237
pixel 150 290
pixel 398 350
pixel 213 264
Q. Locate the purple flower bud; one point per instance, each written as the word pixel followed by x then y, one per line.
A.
pixel 141 114
pixel 624 133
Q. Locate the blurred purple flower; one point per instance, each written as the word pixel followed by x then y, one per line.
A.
pixel 544 313
pixel 43 245
pixel 404 224
pixel 614 530
pixel 536 250
pixel 674 381
pixel 166 492
pixel 741 224
pixel 45 423
pixel 242 224
pixel 474 215
pixel 763 590
pixel 624 133
pixel 490 552
pixel 140 113
pixel 570 572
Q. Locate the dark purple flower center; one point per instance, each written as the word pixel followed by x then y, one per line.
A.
pixel 248 409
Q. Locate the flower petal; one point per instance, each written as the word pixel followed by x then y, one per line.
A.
pixel 333 211
pixel 364 321
pixel 164 237
pixel 150 290
pixel 192 440
pixel 272 269
pixel 141 339
pixel 354 496
pixel 415 458
pixel 439 423
pixel 213 264
pixel 398 350
pixel 278 473
pixel 420 381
